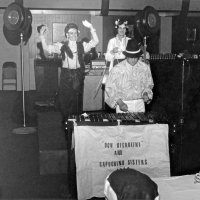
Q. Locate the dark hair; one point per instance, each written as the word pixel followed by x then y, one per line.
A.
pixel 39 28
pixel 121 21
pixel 69 26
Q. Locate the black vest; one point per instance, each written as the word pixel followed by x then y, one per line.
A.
pixel 80 49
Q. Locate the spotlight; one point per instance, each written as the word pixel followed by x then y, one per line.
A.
pixel 14 16
pixel 147 21
pixel 17 21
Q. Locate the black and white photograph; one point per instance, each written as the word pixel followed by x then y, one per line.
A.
pixel 100 100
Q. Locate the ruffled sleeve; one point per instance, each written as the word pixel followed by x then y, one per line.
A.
pixel 113 92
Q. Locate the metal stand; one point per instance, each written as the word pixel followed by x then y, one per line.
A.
pixel 77 106
pixel 24 129
pixel 182 92
pixel 101 84
pixel 101 81
pixel 181 119
pixel 145 47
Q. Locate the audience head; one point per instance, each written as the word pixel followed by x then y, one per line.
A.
pixel 130 184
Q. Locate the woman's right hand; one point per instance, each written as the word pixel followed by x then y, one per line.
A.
pixel 115 50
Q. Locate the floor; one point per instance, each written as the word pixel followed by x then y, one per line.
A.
pixel 20 176
pixel 19 157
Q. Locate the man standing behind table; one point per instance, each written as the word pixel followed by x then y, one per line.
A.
pixel 130 83
pixel 73 68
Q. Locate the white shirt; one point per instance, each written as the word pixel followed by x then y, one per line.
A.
pixel 68 62
pixel 128 82
pixel 116 42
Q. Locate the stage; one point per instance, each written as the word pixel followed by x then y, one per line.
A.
pixel 20 166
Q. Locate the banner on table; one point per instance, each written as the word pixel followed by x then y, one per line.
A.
pixel 99 150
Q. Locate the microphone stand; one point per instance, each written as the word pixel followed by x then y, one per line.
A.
pixel 182 92
pixel 102 84
pixel 24 129
pixel 145 47
pixel 181 119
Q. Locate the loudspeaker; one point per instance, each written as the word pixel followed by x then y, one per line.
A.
pixel 104 7
pixel 17 20
pixel 46 89
pixel 53 155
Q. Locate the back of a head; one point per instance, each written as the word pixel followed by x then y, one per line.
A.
pixel 130 184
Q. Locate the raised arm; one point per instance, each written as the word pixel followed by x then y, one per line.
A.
pixel 94 41
pixel 110 52
pixel 50 48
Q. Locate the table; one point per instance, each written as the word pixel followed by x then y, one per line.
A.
pixel 47 76
pixel 178 188
pixel 99 150
pixel 171 188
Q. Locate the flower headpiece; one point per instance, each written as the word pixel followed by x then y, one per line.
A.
pixel 117 23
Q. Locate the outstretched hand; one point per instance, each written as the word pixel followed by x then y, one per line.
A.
pixel 87 24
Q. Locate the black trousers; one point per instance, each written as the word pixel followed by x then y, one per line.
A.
pixel 71 93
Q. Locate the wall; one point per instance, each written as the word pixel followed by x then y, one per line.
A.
pixel 97 21
pixel 30 50
pixel 75 11
pixel 101 23
pixel 12 53
pixel 179 41
pixel 165 35
pixel 170 5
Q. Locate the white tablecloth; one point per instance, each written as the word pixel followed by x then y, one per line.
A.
pixel 99 150
pixel 178 188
